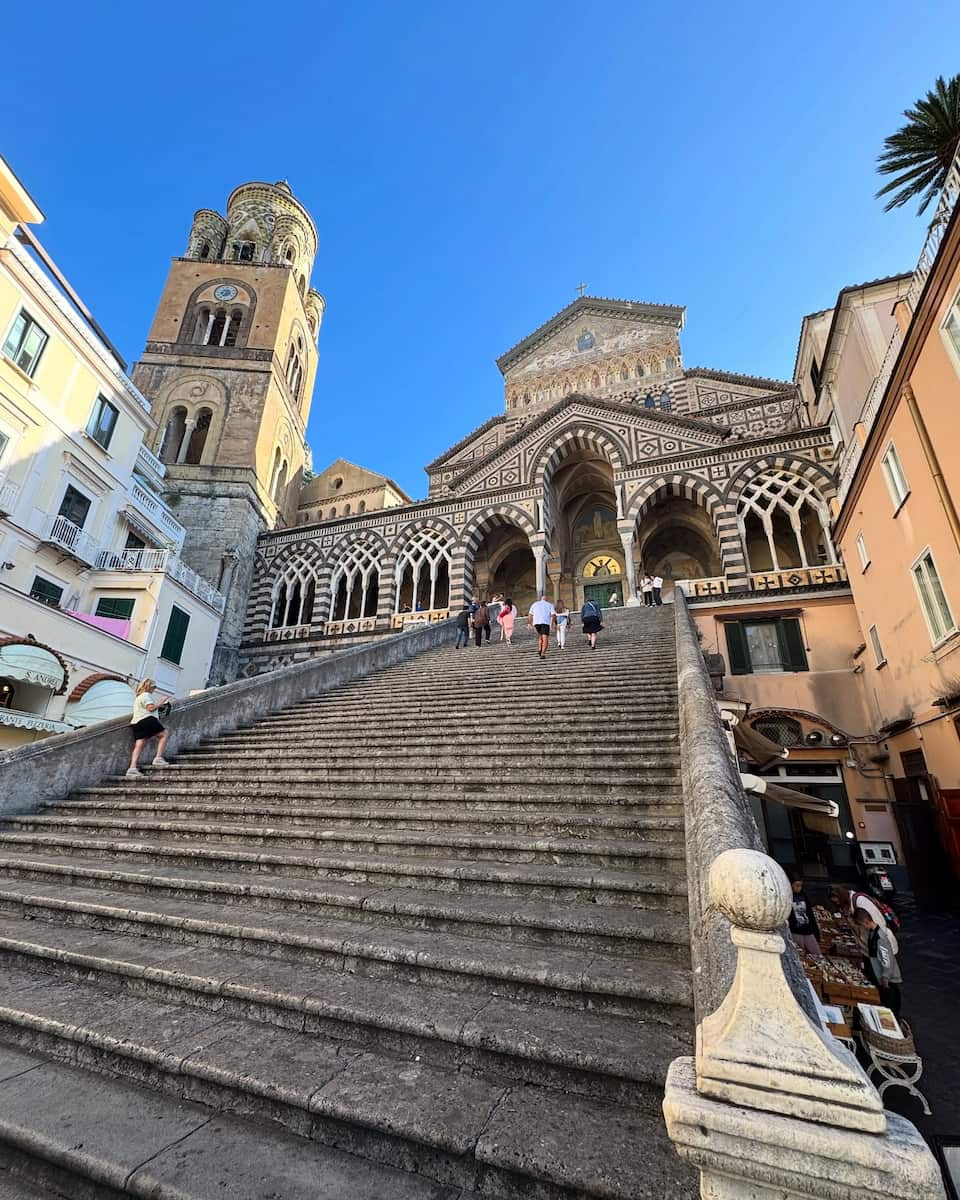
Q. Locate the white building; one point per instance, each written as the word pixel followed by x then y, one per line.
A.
pixel 93 595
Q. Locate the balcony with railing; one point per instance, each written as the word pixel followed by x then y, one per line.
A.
pixel 949 198
pixel 149 464
pixel 64 535
pixel 150 508
pixel 167 563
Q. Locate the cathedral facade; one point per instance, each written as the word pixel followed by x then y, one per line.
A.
pixel 610 459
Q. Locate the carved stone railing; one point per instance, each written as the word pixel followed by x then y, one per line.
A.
pixel 774 581
pixel 772 1107
pixel 350 626
pixel 714 586
pixel 402 620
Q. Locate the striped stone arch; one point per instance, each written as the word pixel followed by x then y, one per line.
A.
pixel 462 571
pixel 703 493
pixel 785 482
pixel 304 554
pixel 389 582
pixel 336 553
pixel 552 452
pixel 302 562
pixel 821 478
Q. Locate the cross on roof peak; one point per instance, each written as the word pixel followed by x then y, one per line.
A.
pixel 581 288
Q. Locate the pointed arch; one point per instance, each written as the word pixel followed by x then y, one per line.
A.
pixel 579 437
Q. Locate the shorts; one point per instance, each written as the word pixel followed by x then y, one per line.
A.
pixel 543 630
pixel 592 625
pixel 146 727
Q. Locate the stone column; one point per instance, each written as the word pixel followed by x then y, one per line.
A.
pixel 773 1107
pixel 540 554
pixel 188 427
pixel 631 598
pixel 228 565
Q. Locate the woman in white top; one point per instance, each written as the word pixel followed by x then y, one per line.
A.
pixel 561 620
pixel 144 726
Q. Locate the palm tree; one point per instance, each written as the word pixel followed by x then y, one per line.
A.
pixel 919 154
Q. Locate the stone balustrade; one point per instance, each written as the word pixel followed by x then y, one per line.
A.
pixel 169 564
pixel 402 620
pixel 793 577
pixel 772 1107
pixel 9 491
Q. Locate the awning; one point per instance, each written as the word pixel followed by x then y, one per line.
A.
pixel 756 747
pixel 818 815
pixel 32 664
pixel 24 720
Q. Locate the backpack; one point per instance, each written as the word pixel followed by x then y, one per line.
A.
pixel 481 616
pixel 590 609
pixel 891 918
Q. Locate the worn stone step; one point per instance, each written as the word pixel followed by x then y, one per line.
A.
pixel 364 759
pixel 603 1055
pixel 663 855
pixel 568 978
pixel 88 1136
pixel 570 822
pixel 626 750
pixel 156 785
pixel 541 881
pixel 423 732
pixel 401 1112
pixel 618 930
pixel 143 1143
pixel 388 780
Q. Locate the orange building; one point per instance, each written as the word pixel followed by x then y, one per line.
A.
pixel 898 531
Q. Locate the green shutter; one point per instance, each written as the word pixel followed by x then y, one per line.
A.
pixel 792 654
pixel 737 648
pixel 113 606
pixel 176 635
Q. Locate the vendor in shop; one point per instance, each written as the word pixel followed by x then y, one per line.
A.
pixel 881 962
pixel 803 924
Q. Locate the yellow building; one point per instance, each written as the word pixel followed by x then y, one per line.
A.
pixel 93 594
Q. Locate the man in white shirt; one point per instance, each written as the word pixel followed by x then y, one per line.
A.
pixel 540 618
pixel 657 585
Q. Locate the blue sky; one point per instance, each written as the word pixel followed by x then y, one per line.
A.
pixel 467 166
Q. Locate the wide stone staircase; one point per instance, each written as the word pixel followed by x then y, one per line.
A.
pixel 421 936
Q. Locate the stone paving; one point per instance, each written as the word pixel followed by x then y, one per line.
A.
pixel 930 962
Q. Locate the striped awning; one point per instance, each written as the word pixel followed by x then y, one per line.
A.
pixel 31 663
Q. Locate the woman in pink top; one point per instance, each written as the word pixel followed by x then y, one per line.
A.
pixel 506 618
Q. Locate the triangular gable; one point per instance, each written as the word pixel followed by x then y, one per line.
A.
pixel 668 316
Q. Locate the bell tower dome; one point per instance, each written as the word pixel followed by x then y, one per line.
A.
pixel 229 367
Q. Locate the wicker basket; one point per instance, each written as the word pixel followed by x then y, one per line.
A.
pixel 897 1047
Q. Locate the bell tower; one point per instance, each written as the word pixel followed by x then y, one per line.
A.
pixel 229 367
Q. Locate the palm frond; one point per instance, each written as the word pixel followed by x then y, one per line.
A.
pixel 918 155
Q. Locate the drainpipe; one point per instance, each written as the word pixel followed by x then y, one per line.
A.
pixel 946 500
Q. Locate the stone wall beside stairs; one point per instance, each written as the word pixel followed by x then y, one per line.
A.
pixel 33 775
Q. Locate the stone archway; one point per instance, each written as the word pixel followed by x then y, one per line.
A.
pixel 677 540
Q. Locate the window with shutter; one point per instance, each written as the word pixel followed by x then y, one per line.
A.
pixel 74 506
pixel 771 646
pixel 25 342
pixel 737 649
pixel 176 635
pixel 116 607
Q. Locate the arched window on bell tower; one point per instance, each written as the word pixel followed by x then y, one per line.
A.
pixel 294 369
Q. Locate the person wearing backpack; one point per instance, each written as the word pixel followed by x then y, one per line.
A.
pixel 850 903
pixel 462 627
pixel 592 618
pixel 481 622
pixel 881 959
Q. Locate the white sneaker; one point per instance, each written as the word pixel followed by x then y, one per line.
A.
pixel 133 773
pixel 159 762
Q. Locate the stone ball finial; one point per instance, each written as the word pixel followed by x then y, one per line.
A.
pixel 750 889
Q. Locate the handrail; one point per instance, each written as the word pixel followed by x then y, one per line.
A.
pixel 717 817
